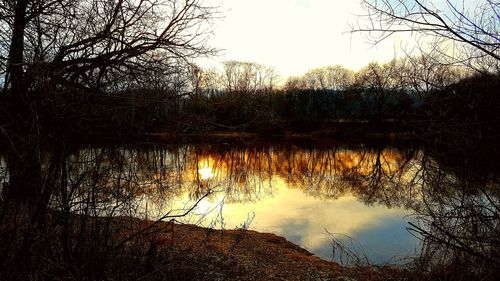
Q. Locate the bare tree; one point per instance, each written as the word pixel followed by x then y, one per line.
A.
pixel 211 80
pixel 315 79
pixel 379 81
pixel 248 77
pixel 51 48
pixel 295 83
pixel 472 26
pixel 425 74
pixel 91 44
pixel 323 78
pixel 338 78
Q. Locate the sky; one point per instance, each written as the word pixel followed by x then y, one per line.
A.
pixel 294 36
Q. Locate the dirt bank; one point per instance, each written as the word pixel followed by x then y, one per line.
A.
pixel 206 254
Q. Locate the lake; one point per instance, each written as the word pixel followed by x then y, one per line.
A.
pixel 358 199
pixel 355 204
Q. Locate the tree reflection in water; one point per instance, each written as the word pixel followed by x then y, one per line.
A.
pixel 455 215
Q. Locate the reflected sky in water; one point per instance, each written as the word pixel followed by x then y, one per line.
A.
pixel 363 196
pixel 304 204
pixel 318 197
pixel 377 231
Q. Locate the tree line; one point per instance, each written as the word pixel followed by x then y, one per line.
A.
pixel 246 96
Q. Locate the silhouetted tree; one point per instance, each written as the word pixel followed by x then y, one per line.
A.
pixel 379 82
pixel 51 49
pixel 92 44
pixel 473 27
pixel 248 77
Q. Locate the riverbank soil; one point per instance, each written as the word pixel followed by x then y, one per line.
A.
pixel 206 254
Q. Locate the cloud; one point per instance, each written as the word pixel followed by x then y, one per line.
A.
pixel 303 220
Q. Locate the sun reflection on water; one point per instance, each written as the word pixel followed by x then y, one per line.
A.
pixel 298 195
pixel 205 173
pixel 205 170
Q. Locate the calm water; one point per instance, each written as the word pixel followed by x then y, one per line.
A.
pixel 361 196
pixel 335 201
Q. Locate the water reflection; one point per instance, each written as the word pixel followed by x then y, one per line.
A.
pixel 299 193
pixel 371 195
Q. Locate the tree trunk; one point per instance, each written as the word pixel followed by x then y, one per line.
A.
pixel 16 53
pixel 24 208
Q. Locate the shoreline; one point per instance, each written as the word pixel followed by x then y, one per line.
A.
pixel 250 255
pixel 318 137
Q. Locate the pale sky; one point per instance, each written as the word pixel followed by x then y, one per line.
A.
pixel 295 35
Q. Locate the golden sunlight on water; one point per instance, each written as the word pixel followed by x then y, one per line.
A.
pixel 205 173
pixel 205 170
pixel 303 196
